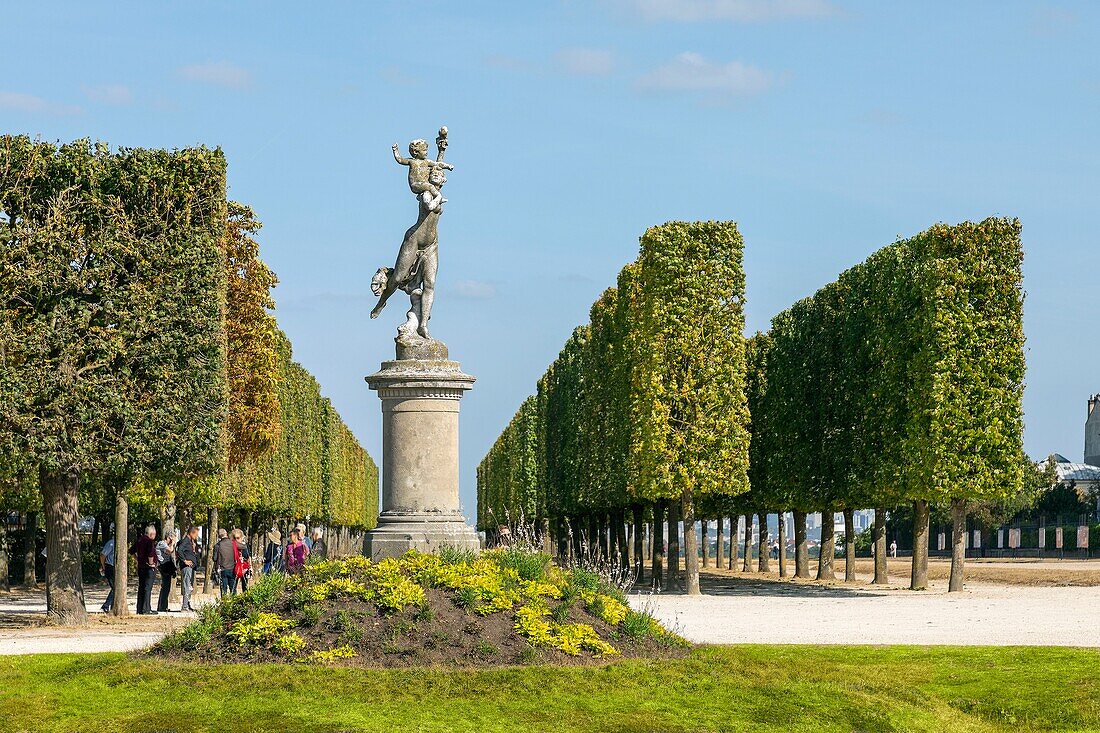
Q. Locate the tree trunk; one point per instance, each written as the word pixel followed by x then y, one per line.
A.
pixel 763 552
pixel 5 582
pixel 881 574
pixel 639 542
pixel 704 533
pixel 674 578
pixel 208 583
pixel 958 544
pixel 782 545
pixel 801 549
pixel 734 519
pixel 30 537
pixel 119 606
pixel 746 566
pixel 849 545
pixel 719 550
pixel 691 550
pixel 919 577
pixel 602 527
pixel 828 546
pixel 64 584
pixel 622 539
pixel 658 568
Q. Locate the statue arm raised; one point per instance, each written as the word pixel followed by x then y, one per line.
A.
pixel 397 155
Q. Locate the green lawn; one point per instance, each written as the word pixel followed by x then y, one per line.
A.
pixel 744 688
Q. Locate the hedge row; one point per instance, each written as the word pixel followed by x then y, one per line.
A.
pixel 900 381
pixel 646 402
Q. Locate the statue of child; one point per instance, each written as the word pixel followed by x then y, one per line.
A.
pixel 420 169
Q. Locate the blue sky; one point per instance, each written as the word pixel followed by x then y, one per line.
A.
pixel 825 128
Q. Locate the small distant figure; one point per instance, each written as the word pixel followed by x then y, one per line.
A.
pixel 187 556
pixel 242 560
pixel 107 570
pixel 273 551
pixel 318 548
pixel 145 552
pixel 421 168
pixel 296 553
pixel 166 564
pixel 893 548
pixel 224 563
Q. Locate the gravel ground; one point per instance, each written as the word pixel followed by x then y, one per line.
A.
pixel 735 609
pixel 749 611
pixel 23 629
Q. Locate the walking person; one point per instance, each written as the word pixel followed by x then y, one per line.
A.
pixel 145 553
pixel 224 563
pixel 187 556
pixel 296 553
pixel 304 535
pixel 318 546
pixel 242 560
pixel 893 548
pixel 273 551
pixel 166 564
pixel 107 570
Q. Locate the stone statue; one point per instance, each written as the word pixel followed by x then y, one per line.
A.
pixel 418 259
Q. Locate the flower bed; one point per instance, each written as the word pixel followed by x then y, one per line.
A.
pixel 503 607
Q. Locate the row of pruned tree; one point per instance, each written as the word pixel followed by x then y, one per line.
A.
pixel 900 383
pixel 139 360
pixel 644 410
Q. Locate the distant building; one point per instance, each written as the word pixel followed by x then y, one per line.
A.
pixel 1092 432
pixel 1083 477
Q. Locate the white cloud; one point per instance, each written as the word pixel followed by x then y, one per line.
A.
pixel 30 103
pixel 585 61
pixel 737 11
pixel 690 72
pixel 474 289
pixel 116 94
pixel 219 73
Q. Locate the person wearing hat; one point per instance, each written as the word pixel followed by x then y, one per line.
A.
pixel 273 551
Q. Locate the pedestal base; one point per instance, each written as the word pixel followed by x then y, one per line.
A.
pixel 394 536
pixel 420 507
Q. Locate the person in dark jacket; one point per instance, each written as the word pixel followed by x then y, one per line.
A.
pixel 224 563
pixel 145 551
pixel 188 555
pixel 273 551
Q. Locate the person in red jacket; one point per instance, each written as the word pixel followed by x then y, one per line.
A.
pixel 145 551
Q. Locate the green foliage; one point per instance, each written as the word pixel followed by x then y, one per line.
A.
pixel 903 379
pixel 289 644
pixel 645 402
pixel 259 628
pixel 112 317
pixel 317 468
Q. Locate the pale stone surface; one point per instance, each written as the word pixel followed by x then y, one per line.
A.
pixel 420 506
pixel 771 612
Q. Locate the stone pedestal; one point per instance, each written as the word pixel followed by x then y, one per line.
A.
pixel 420 393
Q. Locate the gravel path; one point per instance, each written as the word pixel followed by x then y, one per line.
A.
pixel 736 611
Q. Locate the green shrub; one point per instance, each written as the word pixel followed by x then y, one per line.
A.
pixel 289 644
pixel 528 565
pixel 454 556
pixel 258 628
